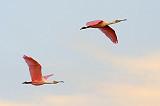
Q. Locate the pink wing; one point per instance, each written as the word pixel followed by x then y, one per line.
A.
pixel 92 23
pixel 47 76
pixel 34 68
pixel 110 33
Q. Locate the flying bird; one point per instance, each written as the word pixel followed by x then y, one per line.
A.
pixel 36 74
pixel 104 27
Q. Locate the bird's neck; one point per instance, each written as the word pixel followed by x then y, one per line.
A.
pixel 113 22
pixel 53 82
pixel 116 21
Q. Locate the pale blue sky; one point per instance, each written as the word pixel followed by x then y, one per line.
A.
pixel 87 61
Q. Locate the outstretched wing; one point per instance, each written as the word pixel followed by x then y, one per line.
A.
pixel 34 68
pixel 110 33
pixel 47 76
pixel 93 23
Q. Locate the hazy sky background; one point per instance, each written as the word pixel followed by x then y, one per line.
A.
pixel 95 71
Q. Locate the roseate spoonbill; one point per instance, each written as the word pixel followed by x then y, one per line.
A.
pixel 104 27
pixel 35 73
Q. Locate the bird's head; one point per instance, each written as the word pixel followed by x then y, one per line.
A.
pixel 61 81
pixel 85 27
pixel 26 82
pixel 116 21
pixel 55 82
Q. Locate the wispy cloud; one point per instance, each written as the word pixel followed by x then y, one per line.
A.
pixel 130 90
pixel 112 94
pixel 131 95
pixel 150 62
pixel 14 103
pixel 64 100
pixel 147 62
pixel 58 100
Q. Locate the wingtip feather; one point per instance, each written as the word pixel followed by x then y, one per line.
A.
pixel 24 56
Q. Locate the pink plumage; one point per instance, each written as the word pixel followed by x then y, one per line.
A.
pixel 92 23
pixel 34 68
pixel 110 33
pixel 104 27
pixel 36 74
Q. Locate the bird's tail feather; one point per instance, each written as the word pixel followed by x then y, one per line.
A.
pixel 47 76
